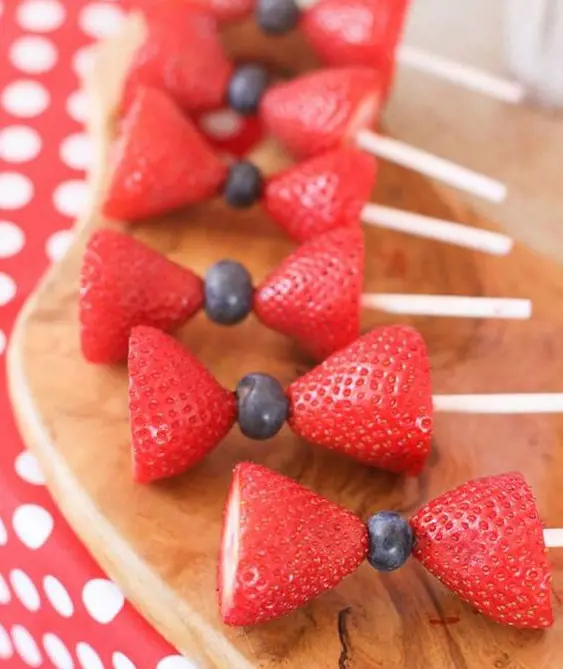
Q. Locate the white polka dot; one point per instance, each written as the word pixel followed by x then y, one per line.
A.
pixel 2 349
pixel 19 143
pixel 58 244
pixel 25 98
pixel 5 595
pixel 175 662
pixel 33 525
pixel 25 590
pixel 6 650
pixel 77 106
pixel 33 54
pixel 103 600
pixel 16 190
pixel 57 652
pixel 25 646
pixel 12 239
pixel 100 19
pixel 29 469
pixel 88 657
pixel 71 198
pixel 221 124
pixel 120 661
pixel 8 289
pixel 76 151
pixel 83 60
pixel 41 15
pixel 3 531
pixel 58 596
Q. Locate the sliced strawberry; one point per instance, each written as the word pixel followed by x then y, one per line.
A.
pixel 322 193
pixel 323 109
pixel 161 161
pixel 183 56
pixel 124 283
pixel 178 411
pixel 282 545
pixel 314 295
pixel 371 401
pixel 484 541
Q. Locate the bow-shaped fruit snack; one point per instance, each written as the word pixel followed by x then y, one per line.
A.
pixel 314 296
pixel 283 545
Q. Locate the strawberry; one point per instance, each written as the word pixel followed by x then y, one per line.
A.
pixel 123 283
pixel 314 295
pixel 484 541
pixel 178 411
pixel 322 193
pixel 161 161
pixel 321 110
pixel 282 545
pixel 371 401
pixel 182 55
pixel 357 33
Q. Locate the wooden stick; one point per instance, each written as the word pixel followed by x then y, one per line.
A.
pixel 431 166
pixel 437 229
pixel 553 537
pixel 448 305
pixel 511 403
pixel 461 74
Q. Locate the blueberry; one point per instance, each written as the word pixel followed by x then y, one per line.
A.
pixel 262 406
pixel 277 16
pixel 246 87
pixel 229 294
pixel 390 540
pixel 244 184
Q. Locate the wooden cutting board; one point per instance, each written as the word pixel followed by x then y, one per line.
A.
pixel 160 542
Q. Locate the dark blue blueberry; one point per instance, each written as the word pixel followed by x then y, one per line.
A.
pixel 277 16
pixel 262 406
pixel 391 540
pixel 229 294
pixel 244 184
pixel 246 87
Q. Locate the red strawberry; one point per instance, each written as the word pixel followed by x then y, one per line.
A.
pixel 124 283
pixel 322 193
pixel 371 401
pixel 357 32
pixel 484 541
pixel 178 411
pixel 183 56
pixel 322 110
pixel 314 295
pixel 282 545
pixel 161 161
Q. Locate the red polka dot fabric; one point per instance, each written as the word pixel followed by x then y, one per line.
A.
pixel 57 608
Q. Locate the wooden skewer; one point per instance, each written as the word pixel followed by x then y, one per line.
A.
pixel 511 403
pixel 448 305
pixel 553 537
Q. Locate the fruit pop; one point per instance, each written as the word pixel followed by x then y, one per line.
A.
pixel 371 401
pixel 314 296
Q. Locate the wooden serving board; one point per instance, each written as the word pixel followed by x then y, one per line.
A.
pixel 160 542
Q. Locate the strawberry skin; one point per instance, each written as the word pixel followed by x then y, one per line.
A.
pixel 178 411
pixel 325 192
pixel 161 161
pixel 371 401
pixel 321 110
pixel 282 545
pixel 314 295
pixel 124 283
pixel 484 541
pixel 183 56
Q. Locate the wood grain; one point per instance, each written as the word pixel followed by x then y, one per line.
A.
pixel 160 542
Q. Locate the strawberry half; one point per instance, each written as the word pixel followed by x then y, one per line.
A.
pixel 371 401
pixel 182 55
pixel 161 161
pixel 484 541
pixel 282 545
pixel 322 193
pixel 124 283
pixel 323 109
pixel 314 295
pixel 178 411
